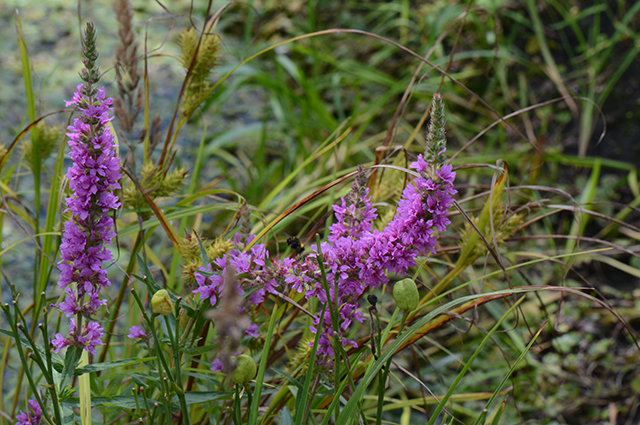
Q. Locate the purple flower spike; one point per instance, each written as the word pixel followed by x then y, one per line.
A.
pixel 93 178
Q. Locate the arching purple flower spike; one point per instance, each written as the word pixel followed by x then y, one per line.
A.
pixel 356 257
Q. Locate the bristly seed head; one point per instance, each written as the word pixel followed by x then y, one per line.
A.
pixel 436 140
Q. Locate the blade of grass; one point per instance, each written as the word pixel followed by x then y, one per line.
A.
pixel 466 367
pixel 551 67
pixel 322 149
pixel 35 140
pixel 255 403
pixel 586 198
pixel 303 395
pixel 50 221
pixel 348 412
pixel 508 375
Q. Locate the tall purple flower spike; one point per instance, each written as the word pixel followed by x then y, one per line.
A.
pixel 93 178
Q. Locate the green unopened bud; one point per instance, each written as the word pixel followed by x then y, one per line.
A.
pixel 245 370
pixel 405 294
pixel 161 303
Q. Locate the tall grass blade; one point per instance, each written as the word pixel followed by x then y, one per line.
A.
pixel 35 139
pixel 255 403
pixel 466 367
pixel 586 198
pixel 498 389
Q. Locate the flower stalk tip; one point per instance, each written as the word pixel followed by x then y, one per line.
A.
pixel 436 138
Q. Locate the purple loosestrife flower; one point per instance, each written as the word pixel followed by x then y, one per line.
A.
pixel 93 177
pixel 31 416
pixel 217 365
pixel 252 270
pixel 137 332
pixel 252 331
pixel 87 339
pixel 209 285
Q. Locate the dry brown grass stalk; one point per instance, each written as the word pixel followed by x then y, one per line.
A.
pixel 129 101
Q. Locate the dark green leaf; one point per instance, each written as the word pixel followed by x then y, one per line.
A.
pixel 71 360
pixel 286 417
pixel 109 365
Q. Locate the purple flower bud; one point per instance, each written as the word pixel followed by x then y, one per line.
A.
pixel 137 332
pixel 217 366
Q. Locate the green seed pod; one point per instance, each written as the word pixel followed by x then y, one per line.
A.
pixel 245 370
pixel 405 294
pixel 161 303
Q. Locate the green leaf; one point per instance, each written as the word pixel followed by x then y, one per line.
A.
pixel 71 359
pixel 129 401
pixel 109 365
pixel 203 255
pixel 286 417
pixel 195 397
pixel 194 351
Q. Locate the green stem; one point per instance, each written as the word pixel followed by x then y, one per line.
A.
pixel 175 342
pixel 237 407
pixel 25 365
pixel 160 359
pixel 115 310
pixel 253 412
pixel 333 310
pixel 384 374
pixel 84 391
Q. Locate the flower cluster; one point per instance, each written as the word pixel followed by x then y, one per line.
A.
pixel 254 274
pixel 31 416
pixel 137 332
pixel 356 257
pixel 93 177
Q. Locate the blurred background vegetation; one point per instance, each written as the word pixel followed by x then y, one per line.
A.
pixel 575 61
